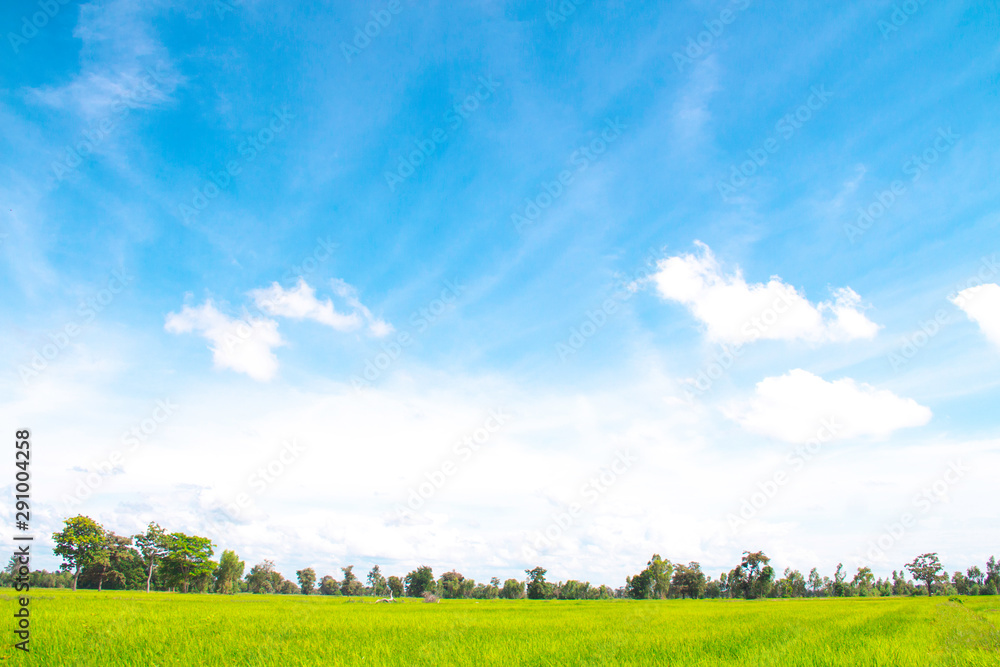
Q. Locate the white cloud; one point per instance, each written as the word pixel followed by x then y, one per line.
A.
pixel 800 406
pixel 378 327
pixel 982 305
pixel 241 345
pixel 734 311
pixel 300 303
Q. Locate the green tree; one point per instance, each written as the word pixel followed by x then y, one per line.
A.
pixel 376 582
pixel 307 580
pixel 863 581
pixel 640 586
pixel 512 590
pixel 454 585
pixel 538 588
pixel 660 570
pixel 152 545
pixel 350 584
pixel 926 568
pixel 229 572
pixel 689 580
pixel 815 582
pixel 108 558
pixel 395 585
pixel 753 577
pixel 992 582
pixel 79 543
pixel 418 581
pixel 188 560
pixel 329 586
pixel 263 578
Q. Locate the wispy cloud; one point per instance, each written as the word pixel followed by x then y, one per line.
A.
pixel 300 303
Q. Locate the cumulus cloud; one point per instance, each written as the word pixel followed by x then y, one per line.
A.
pixel 800 406
pixel 300 303
pixel 982 305
pixel 734 311
pixel 244 346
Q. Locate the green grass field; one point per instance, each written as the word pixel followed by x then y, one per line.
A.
pixel 118 628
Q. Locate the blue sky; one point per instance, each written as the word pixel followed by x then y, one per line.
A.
pixel 264 190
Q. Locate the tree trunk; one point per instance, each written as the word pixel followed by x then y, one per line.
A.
pixel 76 575
pixel 100 583
pixel 928 588
pixel 149 578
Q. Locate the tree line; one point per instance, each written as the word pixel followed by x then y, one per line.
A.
pixel 97 558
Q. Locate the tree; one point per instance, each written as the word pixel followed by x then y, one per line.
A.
pixel 538 588
pixel 512 590
pixel 107 559
pixel 863 581
pixel 395 585
pixel 377 582
pixel 454 585
pixel 229 572
pixel 307 580
pixel 992 576
pixel 350 585
pixel 640 586
pixel 689 580
pixel 418 581
pixel 188 560
pixel 839 587
pixel 660 570
pixel 79 543
pixel 329 586
pixel 753 577
pixel 263 578
pixel 152 546
pixel 815 582
pixel 900 586
pixel 926 568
